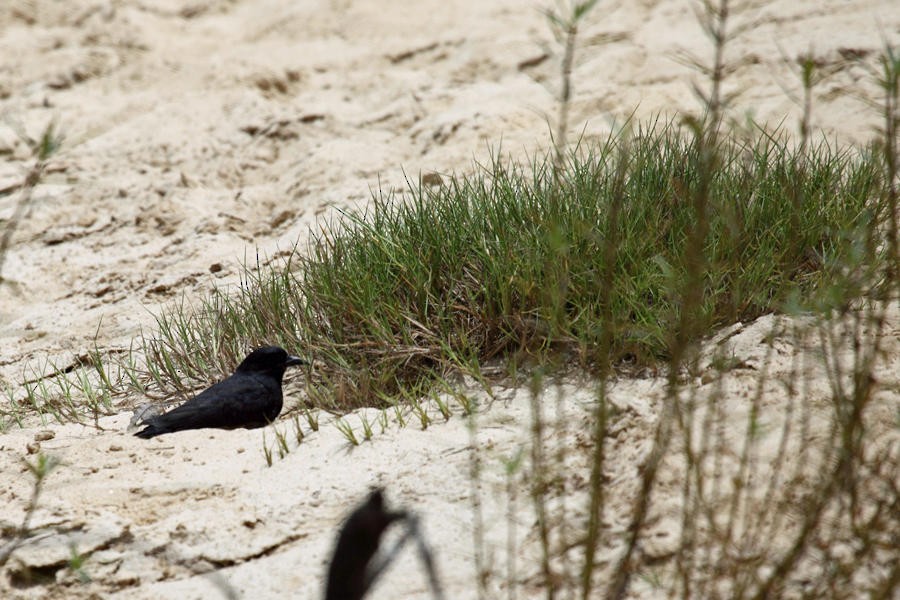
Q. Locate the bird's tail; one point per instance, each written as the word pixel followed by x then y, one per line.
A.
pixel 149 432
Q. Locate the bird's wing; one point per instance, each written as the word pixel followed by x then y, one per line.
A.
pixel 230 403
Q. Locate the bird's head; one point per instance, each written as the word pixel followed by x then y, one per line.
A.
pixel 269 359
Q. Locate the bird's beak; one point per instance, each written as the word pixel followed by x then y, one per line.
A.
pixel 294 360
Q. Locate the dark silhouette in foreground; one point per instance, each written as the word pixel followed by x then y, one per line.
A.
pixel 250 398
pixel 352 571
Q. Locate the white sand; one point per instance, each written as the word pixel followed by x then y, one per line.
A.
pixel 200 132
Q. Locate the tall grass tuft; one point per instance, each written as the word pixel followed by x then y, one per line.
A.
pixel 485 267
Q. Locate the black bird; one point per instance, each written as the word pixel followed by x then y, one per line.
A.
pixel 250 398
pixel 350 574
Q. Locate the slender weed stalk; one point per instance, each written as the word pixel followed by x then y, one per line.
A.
pixel 604 350
pixel 312 418
pixel 367 427
pixel 76 564
pixel 421 412
pixel 689 324
pixel 539 482
pixel 42 151
pixel 39 469
pixel 347 430
pixel 564 23
pixel 281 442
pixel 267 452
pixel 298 429
pixel 399 416
pixel 442 406
pixel 481 571
pixel 512 467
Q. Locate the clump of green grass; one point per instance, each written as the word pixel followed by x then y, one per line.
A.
pixel 486 266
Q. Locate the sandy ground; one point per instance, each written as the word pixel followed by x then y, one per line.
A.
pixel 200 133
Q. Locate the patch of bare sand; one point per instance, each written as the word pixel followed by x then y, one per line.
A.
pixel 200 131
pixel 184 515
